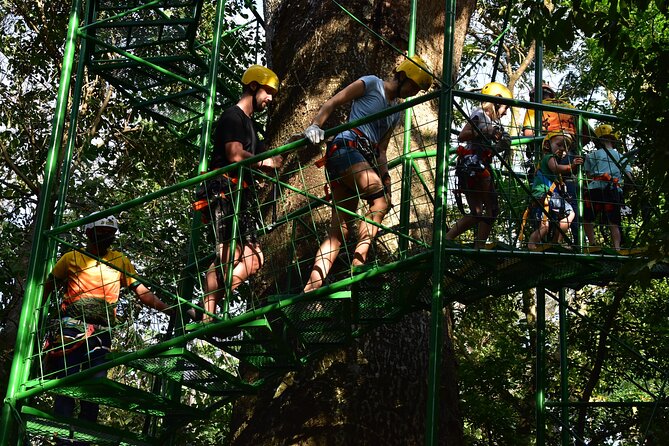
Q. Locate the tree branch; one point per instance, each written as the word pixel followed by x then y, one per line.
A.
pixel 18 171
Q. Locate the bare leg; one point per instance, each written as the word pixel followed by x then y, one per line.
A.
pixel 475 202
pixel 589 232
pixel 214 289
pixel 368 183
pixel 489 200
pixel 461 226
pixel 339 230
pixel 483 233
pixel 538 235
pixel 247 263
pixel 616 236
pixel 564 227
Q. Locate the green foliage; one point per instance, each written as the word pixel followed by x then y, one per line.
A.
pixel 495 341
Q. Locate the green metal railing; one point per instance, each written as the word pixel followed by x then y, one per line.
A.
pixel 444 270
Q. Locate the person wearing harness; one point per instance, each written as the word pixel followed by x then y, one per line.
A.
pixel 548 204
pixel 482 133
pixel 606 174
pixel 236 139
pixel 355 160
pixel 91 285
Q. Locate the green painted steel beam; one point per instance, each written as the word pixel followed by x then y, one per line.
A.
pixel 213 328
pixel 540 367
pixel 405 191
pixel 36 270
pixel 120 15
pixel 538 106
pixel 564 368
pixel 142 61
pixel 439 232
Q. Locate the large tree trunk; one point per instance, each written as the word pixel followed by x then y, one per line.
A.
pixel 374 391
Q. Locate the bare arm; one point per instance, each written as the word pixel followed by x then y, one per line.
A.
pixel 383 157
pixel 234 151
pixel 151 300
pixel 353 91
pixel 564 168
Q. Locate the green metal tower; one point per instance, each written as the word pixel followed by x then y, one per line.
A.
pixel 153 52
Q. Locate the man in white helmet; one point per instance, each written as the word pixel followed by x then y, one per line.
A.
pixel 91 285
pixel 236 139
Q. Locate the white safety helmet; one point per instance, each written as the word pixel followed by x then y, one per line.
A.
pixel 105 222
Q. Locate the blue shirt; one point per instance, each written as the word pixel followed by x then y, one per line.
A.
pixel 373 101
pixel 599 163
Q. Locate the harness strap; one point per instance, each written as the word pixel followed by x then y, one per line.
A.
pixel 232 178
pixel 546 206
pixel 352 144
pixel 203 203
pixel 606 177
pixel 51 346
pixel 332 148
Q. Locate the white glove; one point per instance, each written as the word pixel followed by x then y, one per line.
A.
pixel 314 134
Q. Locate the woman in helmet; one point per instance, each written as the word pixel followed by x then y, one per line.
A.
pixel 355 161
pixel 482 130
pixel 236 139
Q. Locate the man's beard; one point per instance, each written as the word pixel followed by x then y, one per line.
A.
pixel 257 106
pixel 102 244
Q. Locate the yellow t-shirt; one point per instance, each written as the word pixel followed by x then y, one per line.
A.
pixel 93 287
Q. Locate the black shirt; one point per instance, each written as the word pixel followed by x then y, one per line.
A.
pixel 234 125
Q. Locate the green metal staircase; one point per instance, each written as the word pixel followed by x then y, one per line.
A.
pixel 150 52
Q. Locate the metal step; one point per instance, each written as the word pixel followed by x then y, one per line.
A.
pixel 106 392
pixel 47 426
pixel 186 368
pixel 325 321
pixel 258 344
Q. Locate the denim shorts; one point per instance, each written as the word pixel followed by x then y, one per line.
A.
pixel 342 159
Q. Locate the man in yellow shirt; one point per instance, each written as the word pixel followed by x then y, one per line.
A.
pixel 91 287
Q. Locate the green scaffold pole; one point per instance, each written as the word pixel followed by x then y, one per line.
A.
pixel 407 161
pixel 438 238
pixel 36 268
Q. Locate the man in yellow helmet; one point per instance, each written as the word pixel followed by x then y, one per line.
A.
pixel 355 161
pixel 236 139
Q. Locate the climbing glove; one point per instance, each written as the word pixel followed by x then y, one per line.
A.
pixel 314 134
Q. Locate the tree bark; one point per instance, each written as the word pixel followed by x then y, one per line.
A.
pixel 375 390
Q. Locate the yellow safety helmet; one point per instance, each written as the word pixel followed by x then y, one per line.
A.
pixel 546 142
pixel 417 71
pixel 263 76
pixel 605 130
pixel 496 89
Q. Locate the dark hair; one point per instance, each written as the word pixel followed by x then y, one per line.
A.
pixel 546 92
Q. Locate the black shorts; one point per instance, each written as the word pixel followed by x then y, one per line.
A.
pixel 603 203
pixel 221 191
